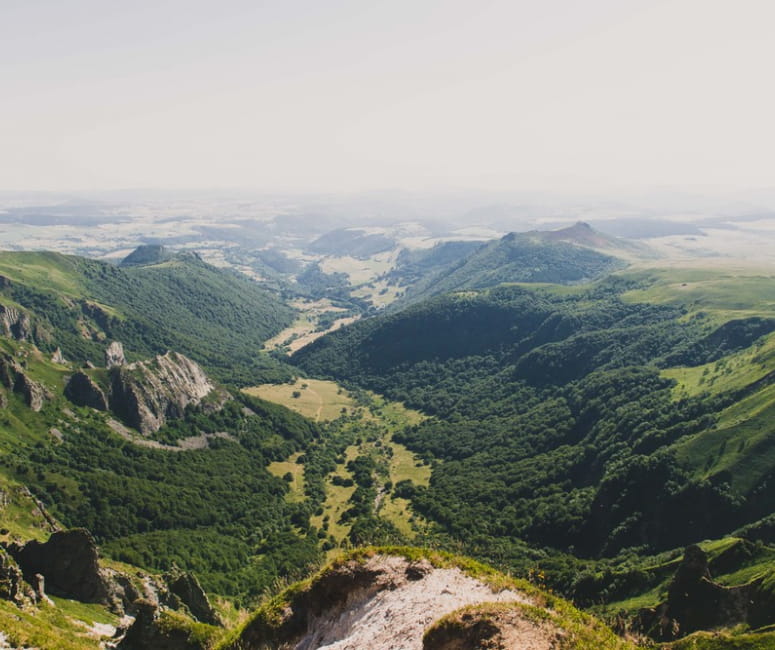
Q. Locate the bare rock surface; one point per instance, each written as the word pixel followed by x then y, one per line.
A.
pixel 83 391
pixel 114 355
pixel 390 602
pixel 15 324
pixel 13 376
pixel 58 357
pixel 148 393
pixel 69 563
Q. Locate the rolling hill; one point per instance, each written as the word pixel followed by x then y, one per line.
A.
pixel 517 257
pixel 216 317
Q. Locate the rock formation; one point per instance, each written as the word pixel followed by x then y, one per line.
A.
pixel 695 602
pixel 58 357
pixel 83 391
pixel 15 324
pixel 148 393
pixel 151 631
pixel 12 376
pixel 114 355
pixel 187 589
pixel 69 563
pixel 392 602
pixel 12 584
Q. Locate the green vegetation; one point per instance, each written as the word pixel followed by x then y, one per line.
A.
pixel 216 511
pixel 356 474
pixel 557 421
pixel 216 317
pixel 514 258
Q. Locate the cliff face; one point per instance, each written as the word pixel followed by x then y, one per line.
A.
pixel 148 393
pixel 12 376
pixel 114 355
pixel 14 323
pixel 83 391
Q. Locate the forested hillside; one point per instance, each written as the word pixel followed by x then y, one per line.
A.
pixel 556 419
pixel 517 257
pixel 216 317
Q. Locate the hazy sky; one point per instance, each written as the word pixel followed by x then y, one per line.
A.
pixel 339 95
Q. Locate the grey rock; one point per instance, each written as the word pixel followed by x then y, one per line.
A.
pixel 12 376
pixel 114 355
pixel 58 357
pixel 190 593
pixel 148 393
pixel 69 562
pixel 83 391
pixel 15 324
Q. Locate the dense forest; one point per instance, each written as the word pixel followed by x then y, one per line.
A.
pixel 553 424
pixel 217 317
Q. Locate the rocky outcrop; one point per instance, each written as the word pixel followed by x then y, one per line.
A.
pixel 155 629
pixel 487 627
pixel 12 584
pixel 81 390
pixel 12 376
pixel 148 393
pixel 15 324
pixel 187 589
pixel 98 314
pixel 695 602
pixel 33 393
pixel 114 355
pixel 69 562
pixel 58 357
pixel 378 602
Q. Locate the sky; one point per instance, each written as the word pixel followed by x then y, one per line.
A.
pixel 339 95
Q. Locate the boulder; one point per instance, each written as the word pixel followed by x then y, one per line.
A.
pixel 83 391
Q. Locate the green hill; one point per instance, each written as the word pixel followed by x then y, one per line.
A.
pixel 556 417
pixel 517 257
pixel 216 317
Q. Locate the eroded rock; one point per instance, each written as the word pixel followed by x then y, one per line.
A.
pixel 58 357
pixel 15 324
pixel 148 393
pixel 69 563
pixel 13 376
pixel 83 391
pixel 187 588
pixel 114 355
pixel 12 584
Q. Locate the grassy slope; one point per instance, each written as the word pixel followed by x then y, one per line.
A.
pixel 323 401
pixel 218 318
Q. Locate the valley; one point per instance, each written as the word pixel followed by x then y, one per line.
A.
pixel 559 404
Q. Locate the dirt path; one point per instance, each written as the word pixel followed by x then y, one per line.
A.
pixel 320 402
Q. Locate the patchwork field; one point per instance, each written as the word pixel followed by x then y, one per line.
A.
pixel 370 420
